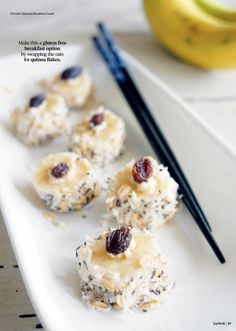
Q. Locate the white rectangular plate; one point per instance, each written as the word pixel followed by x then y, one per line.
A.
pixel 205 291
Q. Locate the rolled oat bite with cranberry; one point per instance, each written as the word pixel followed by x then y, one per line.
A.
pixel 123 269
pixel 74 84
pixel 142 194
pixel 42 119
pixel 99 136
pixel 65 182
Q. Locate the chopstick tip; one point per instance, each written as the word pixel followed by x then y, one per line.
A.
pixel 222 259
pixel 100 24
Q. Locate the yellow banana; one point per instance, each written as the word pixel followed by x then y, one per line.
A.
pixel 216 9
pixel 198 31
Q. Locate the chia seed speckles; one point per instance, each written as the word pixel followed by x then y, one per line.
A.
pixel 70 189
pixel 142 205
pixel 100 136
pixel 118 203
pixel 42 119
pixel 138 288
pixel 48 198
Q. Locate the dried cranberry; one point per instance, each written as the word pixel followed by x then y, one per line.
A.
pixel 118 240
pixel 37 100
pixel 96 120
pixel 142 170
pixel 60 170
pixel 71 73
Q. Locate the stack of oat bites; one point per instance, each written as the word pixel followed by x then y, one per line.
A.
pixel 123 267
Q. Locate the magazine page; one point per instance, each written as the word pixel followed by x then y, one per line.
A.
pixel 118 167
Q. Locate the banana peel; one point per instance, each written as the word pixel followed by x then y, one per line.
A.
pixel 216 9
pixel 200 32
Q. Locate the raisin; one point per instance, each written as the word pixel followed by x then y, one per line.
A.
pixel 142 170
pixel 117 241
pixel 60 170
pixel 37 100
pixel 71 73
pixel 96 120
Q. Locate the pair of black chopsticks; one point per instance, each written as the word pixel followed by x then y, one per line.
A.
pixel 110 54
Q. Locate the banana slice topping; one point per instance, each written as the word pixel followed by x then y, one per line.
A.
pixel 65 182
pixel 142 194
pixel 100 136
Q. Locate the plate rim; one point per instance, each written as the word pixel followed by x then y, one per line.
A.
pixel 133 62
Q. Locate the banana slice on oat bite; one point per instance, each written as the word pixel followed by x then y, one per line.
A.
pixel 124 269
pixel 142 194
pixel 75 85
pixel 65 182
pixel 99 137
pixel 42 119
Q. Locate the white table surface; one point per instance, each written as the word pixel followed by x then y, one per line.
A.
pixel 212 94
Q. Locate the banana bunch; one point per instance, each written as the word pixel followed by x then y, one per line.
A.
pixel 201 32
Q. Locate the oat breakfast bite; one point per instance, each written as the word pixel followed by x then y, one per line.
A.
pixel 124 269
pixel 65 182
pixel 74 84
pixel 41 120
pixel 99 136
pixel 142 194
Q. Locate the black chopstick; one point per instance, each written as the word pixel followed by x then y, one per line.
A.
pixel 169 159
pixel 115 61
pixel 151 130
